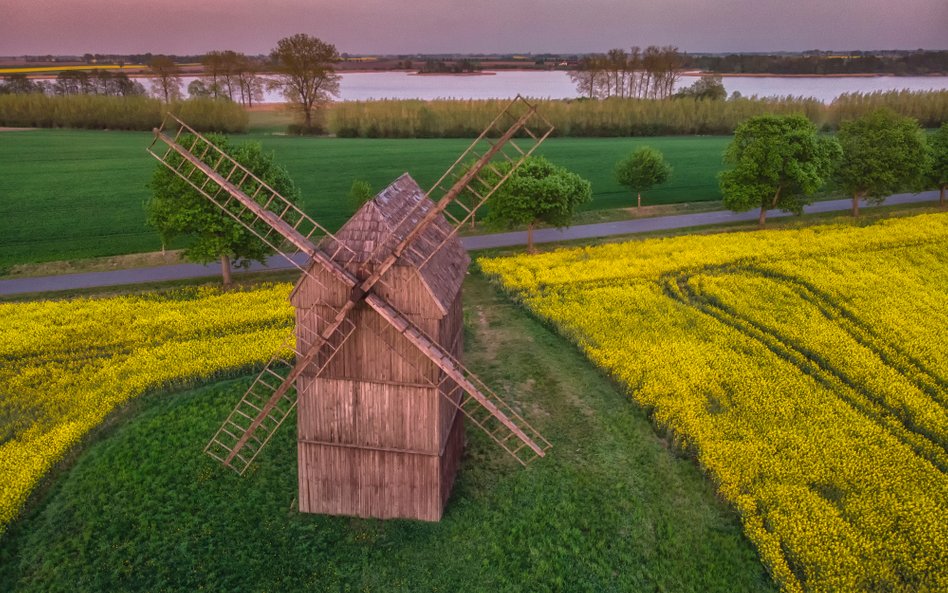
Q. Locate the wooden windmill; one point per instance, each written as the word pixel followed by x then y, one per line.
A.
pixel 373 365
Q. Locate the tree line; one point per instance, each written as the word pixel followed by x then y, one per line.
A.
pixel 780 162
pixel 227 75
pixel 649 73
pixel 300 65
pixel 783 161
pixel 917 63
pixel 773 162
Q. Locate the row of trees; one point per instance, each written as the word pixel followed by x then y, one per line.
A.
pixel 100 82
pixel 21 84
pixel 774 162
pixel 782 161
pixel 537 192
pixel 75 82
pixel 301 66
pixel 232 75
pixel 645 74
pixel 919 62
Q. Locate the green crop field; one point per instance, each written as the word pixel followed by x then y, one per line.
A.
pixel 610 508
pixel 72 194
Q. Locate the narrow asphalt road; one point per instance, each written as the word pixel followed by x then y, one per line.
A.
pixel 606 229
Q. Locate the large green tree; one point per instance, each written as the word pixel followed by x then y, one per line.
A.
pixel 304 68
pixel 538 191
pixel 642 170
pixel 938 174
pixel 882 153
pixel 176 209
pixel 776 162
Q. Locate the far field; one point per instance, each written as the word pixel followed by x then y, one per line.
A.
pixel 71 194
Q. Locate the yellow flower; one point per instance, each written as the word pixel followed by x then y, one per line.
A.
pixel 807 370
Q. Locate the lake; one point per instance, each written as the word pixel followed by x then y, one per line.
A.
pixel 358 86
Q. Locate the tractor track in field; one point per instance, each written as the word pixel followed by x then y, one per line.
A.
pixel 911 368
pixel 872 406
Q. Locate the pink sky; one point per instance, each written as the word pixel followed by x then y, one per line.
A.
pixel 432 26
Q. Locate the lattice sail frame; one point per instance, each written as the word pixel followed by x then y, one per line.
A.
pixel 479 404
pixel 260 410
pixel 286 226
pixel 297 229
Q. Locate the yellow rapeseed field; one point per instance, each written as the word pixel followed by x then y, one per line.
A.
pixel 67 364
pixel 807 371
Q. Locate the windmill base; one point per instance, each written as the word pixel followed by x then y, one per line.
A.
pixel 378 483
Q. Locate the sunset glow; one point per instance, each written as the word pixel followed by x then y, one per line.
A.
pixel 429 26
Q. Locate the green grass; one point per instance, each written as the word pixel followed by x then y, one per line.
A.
pixel 73 194
pixel 271 121
pixel 611 508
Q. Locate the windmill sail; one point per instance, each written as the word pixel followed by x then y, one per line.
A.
pixel 471 396
pixel 472 179
pixel 243 196
pixel 272 396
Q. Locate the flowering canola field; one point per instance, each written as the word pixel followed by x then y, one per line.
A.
pixel 807 370
pixel 65 365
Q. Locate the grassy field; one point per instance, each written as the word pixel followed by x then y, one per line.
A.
pixel 611 508
pixel 804 368
pixel 71 194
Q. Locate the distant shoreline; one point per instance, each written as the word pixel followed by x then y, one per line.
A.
pixel 768 75
pixel 139 71
pixel 480 73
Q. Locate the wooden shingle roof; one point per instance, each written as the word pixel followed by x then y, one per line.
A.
pixel 383 220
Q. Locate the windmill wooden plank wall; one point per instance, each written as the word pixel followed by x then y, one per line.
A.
pixel 377 435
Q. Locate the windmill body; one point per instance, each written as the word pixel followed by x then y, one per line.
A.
pixel 378 434
pixel 374 363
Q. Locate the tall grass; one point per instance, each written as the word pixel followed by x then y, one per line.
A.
pixel 116 113
pixel 212 115
pixel 620 117
pixel 930 108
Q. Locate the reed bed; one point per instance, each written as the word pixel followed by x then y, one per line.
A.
pixel 620 117
pixel 97 112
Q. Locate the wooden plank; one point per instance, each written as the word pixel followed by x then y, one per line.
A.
pixel 454 370
pixel 370 415
pixel 367 483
